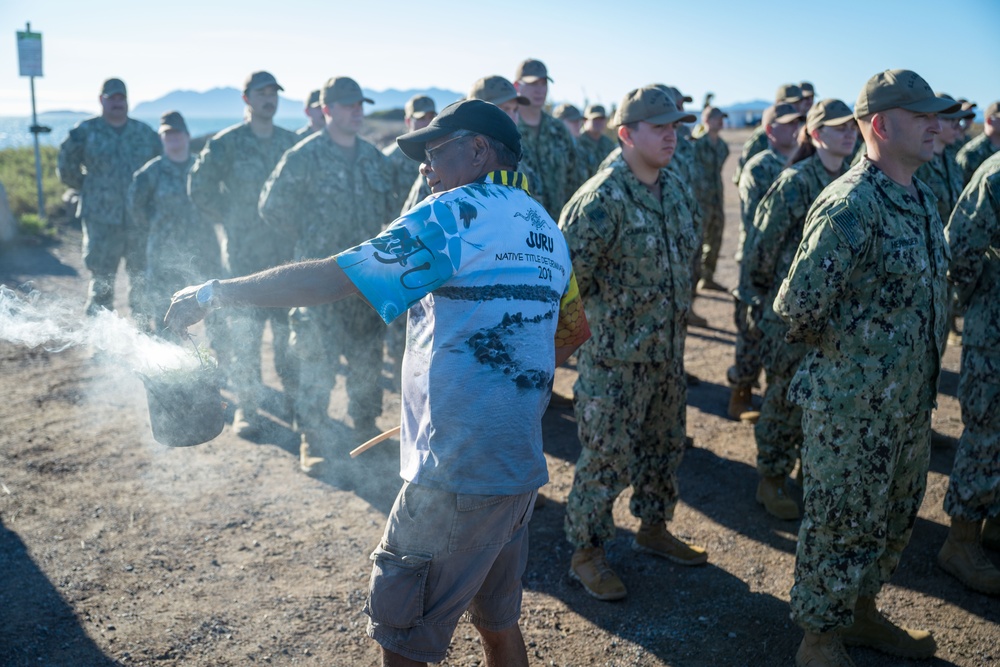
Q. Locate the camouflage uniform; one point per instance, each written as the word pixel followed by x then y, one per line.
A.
pixel 550 152
pixel 867 292
pixel 325 198
pixel 631 255
pixel 419 191
pixel 181 249
pixel 709 157
pixel 98 160
pixel 973 234
pixel 225 184
pixel 778 224
pixel 755 143
pixel 758 175
pixel 401 172
pixel 593 151
pixel 973 154
pixel 944 178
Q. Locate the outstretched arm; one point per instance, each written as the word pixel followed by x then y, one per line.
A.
pixel 307 283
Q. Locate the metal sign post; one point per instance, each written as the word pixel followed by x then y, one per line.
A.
pixel 29 57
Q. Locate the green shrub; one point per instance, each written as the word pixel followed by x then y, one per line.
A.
pixel 17 173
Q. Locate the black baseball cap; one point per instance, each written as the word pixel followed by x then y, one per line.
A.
pixel 472 115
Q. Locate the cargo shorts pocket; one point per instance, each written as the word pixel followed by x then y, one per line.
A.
pixel 397 587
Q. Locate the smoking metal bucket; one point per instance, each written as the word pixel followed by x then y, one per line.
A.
pixel 185 407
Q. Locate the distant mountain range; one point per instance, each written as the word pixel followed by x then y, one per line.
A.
pixel 228 102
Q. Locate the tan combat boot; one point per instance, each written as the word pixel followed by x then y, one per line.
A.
pixel 822 650
pixel 589 567
pixel 656 539
pixel 962 557
pixel 990 537
pixel 772 495
pixel 307 463
pixel 741 405
pixel 874 630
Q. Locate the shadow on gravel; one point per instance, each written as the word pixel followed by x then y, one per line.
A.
pixel 685 617
pixel 23 259
pixel 948 383
pixel 36 626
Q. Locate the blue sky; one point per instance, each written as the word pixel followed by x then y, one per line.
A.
pixel 595 51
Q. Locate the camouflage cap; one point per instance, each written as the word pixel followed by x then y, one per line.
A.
pixel 651 104
pixel 343 90
pixel 899 89
pixel 567 112
pixel 595 111
pixel 780 114
pixel 258 80
pixel 680 97
pixel 497 90
pixel 966 104
pixel 807 89
pixel 313 100
pixel 419 106
pixel 113 87
pixel 172 120
pixel 787 93
pixel 531 70
pixel 712 112
pixel 959 113
pixel 828 112
pixel 476 116
pixel 992 110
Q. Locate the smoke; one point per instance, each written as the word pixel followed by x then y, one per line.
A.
pixel 34 319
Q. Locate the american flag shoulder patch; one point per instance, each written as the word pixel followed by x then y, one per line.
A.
pixel 846 225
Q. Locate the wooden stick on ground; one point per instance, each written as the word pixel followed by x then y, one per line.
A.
pixel 374 441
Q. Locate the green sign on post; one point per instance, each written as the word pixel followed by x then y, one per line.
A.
pixel 29 57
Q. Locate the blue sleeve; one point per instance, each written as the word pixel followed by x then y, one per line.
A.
pixel 415 255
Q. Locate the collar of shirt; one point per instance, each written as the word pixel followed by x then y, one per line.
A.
pixel 897 194
pixel 513 179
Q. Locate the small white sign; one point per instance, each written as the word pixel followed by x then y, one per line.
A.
pixel 29 53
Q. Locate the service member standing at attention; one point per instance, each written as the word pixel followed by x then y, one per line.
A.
pixel 314 112
pixel 778 223
pixel 225 184
pixel 593 143
pixel 98 159
pixel 181 248
pixel 867 292
pixel 632 234
pixel 548 146
pixel 781 124
pixel 973 496
pixel 710 153
pixel 418 112
pixel 335 171
pixel 787 93
pixel 975 152
pixel 942 174
pixel 462 268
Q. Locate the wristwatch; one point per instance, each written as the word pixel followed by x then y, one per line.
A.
pixel 207 295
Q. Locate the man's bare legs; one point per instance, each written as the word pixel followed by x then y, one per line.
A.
pixel 503 648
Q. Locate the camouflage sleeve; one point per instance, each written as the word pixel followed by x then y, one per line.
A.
pixel 970 233
pixel 139 201
pixel 832 246
pixel 589 229
pixel 70 161
pixel 772 221
pixel 206 179
pixel 746 187
pixel 418 192
pixel 283 195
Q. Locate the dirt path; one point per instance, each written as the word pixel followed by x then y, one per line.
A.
pixel 117 550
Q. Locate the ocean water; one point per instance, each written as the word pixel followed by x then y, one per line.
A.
pixel 14 129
